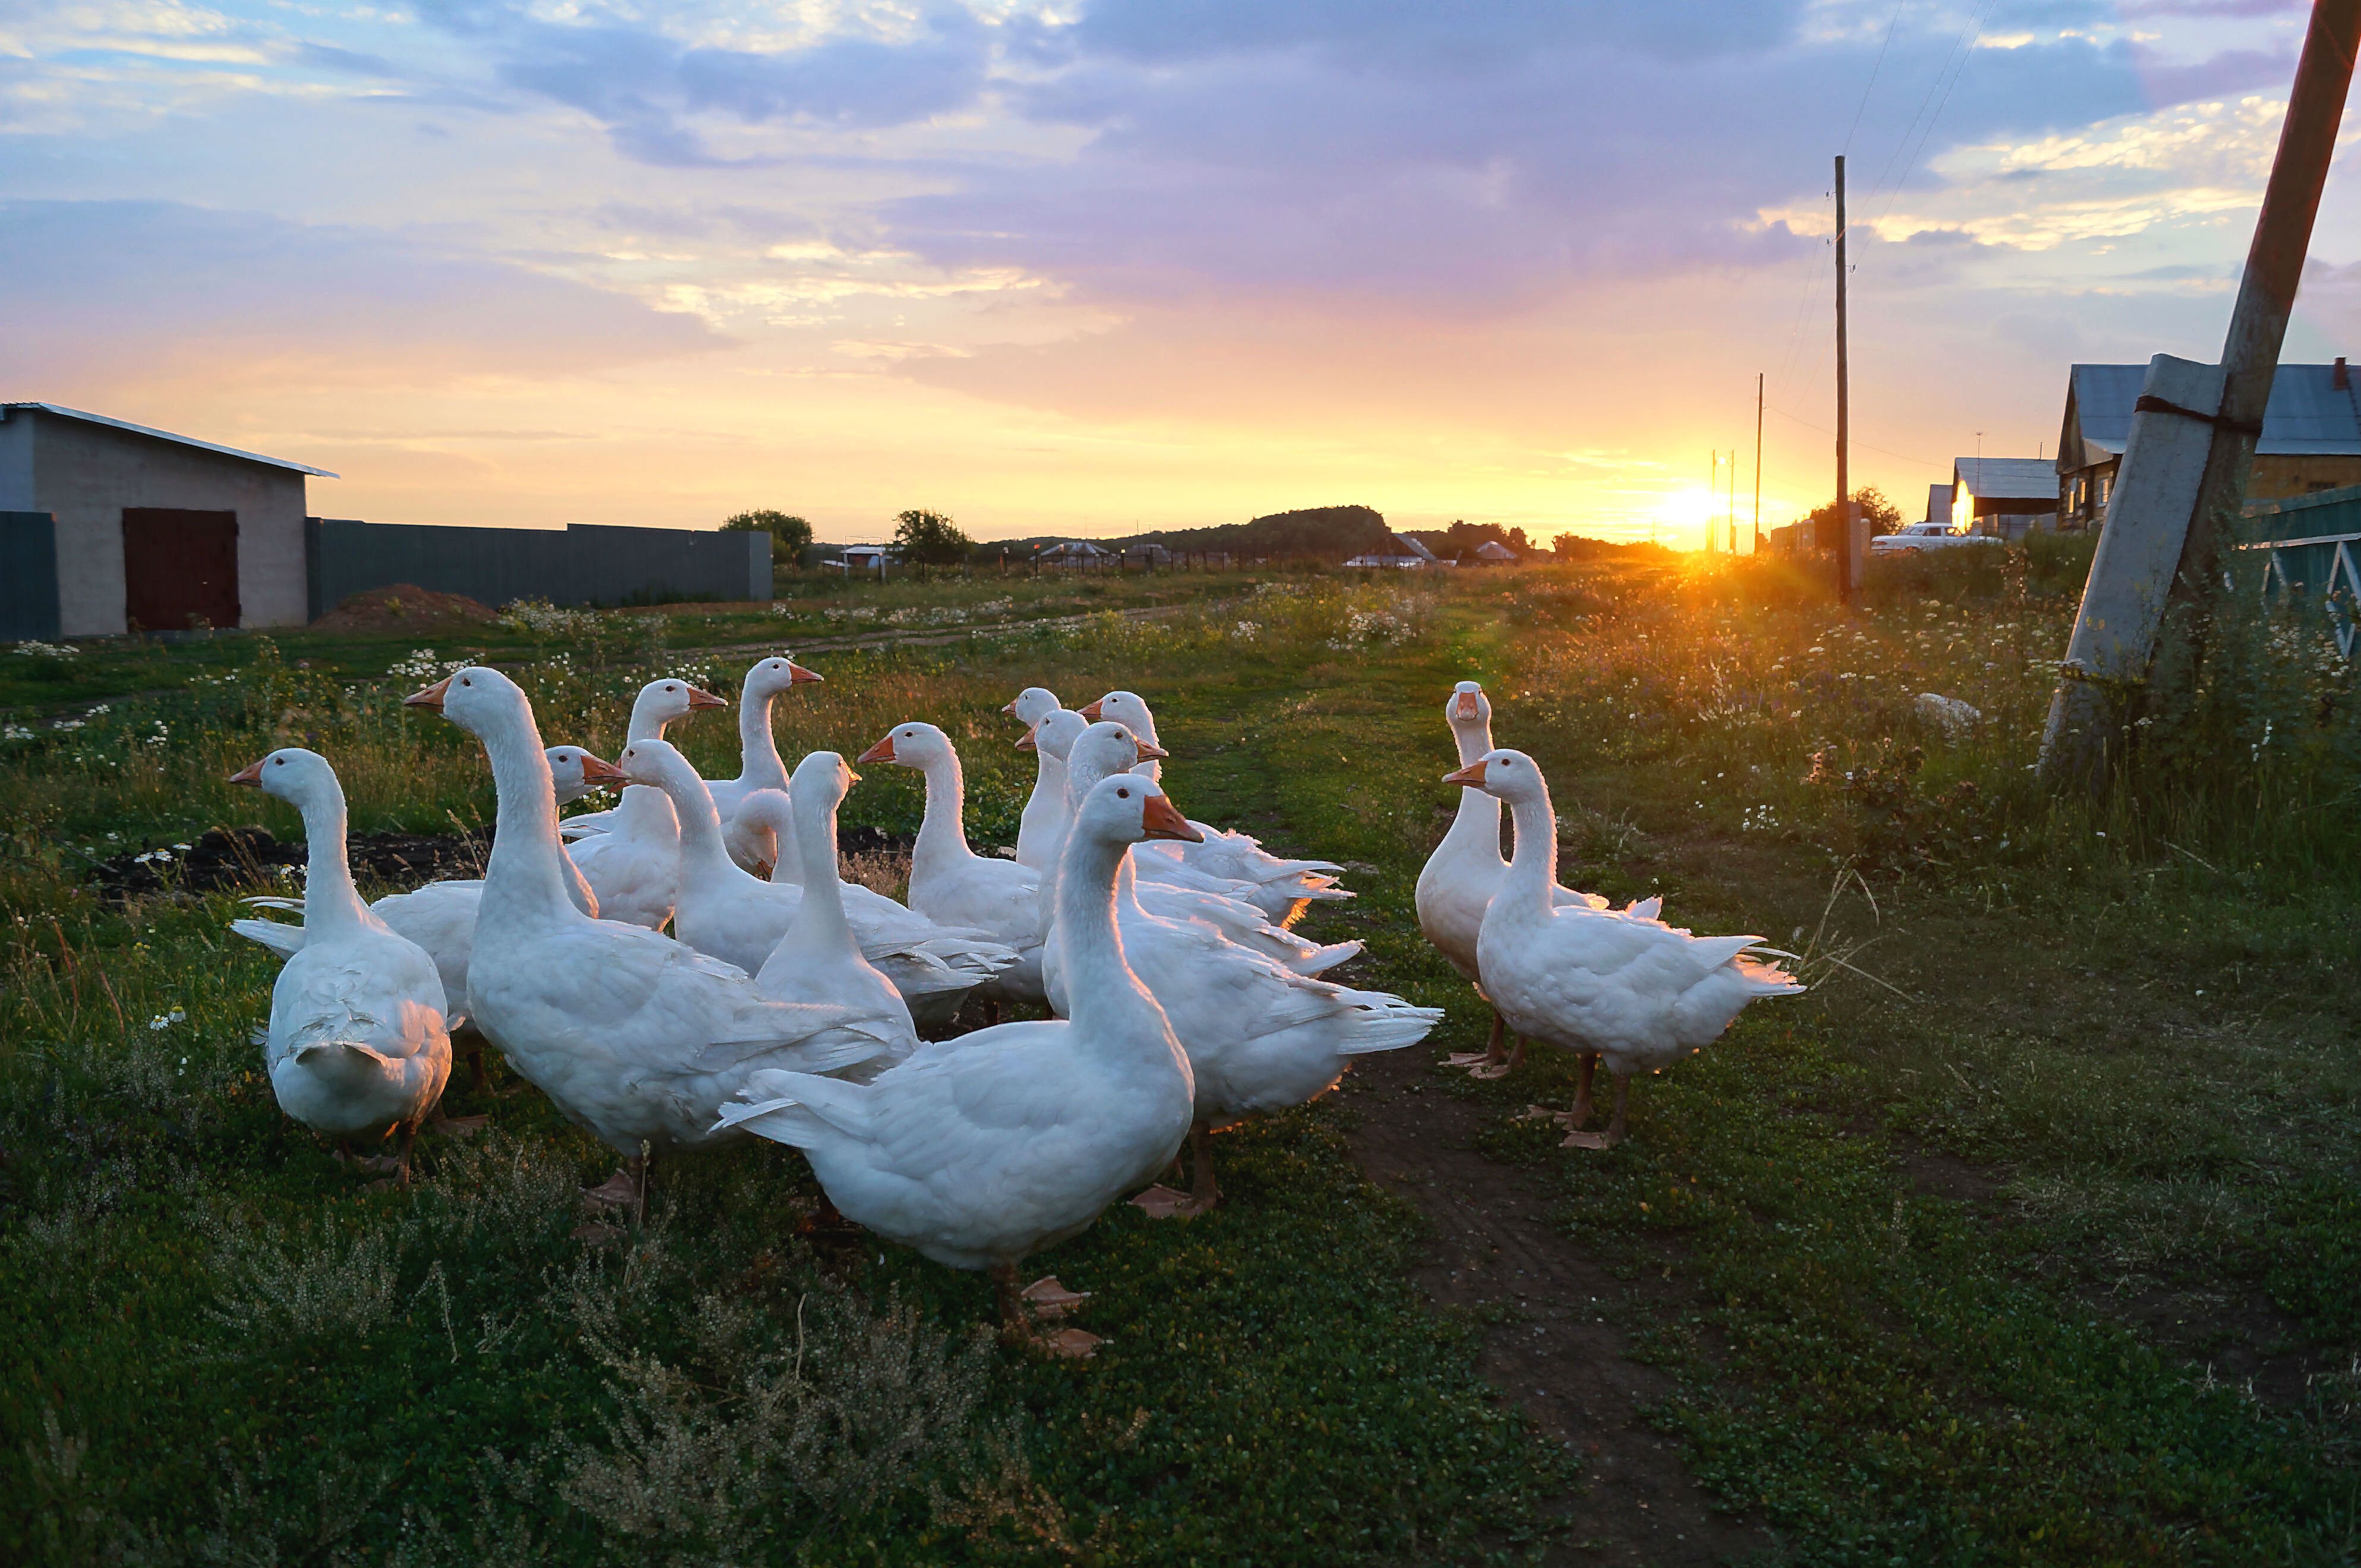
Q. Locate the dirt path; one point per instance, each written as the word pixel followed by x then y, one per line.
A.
pixel 1556 1349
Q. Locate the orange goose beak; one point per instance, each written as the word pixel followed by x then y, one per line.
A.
pixel 1091 712
pixel 1469 777
pixel 250 775
pixel 1466 707
pixel 881 752
pixel 597 770
pixel 1161 819
pixel 799 677
pixel 1026 742
pixel 1149 751
pixel 703 699
pixel 429 698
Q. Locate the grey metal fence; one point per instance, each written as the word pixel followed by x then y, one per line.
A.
pixel 29 576
pixel 582 563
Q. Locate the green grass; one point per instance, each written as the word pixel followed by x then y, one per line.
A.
pixel 2133 1017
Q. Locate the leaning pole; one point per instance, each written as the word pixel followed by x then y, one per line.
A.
pixel 2182 481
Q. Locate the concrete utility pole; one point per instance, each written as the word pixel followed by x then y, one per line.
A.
pixel 1848 550
pixel 2182 481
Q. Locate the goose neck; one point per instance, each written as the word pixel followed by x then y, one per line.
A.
pixel 942 831
pixel 525 876
pixel 688 799
pixel 759 763
pixel 330 901
pixel 1109 1004
pixel 1532 868
pixel 819 925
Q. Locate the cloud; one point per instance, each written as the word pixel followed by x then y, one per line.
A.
pixel 102 293
pixel 651 88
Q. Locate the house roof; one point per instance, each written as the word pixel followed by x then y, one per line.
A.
pixel 2007 478
pixel 62 412
pixel 2309 415
pixel 1493 550
pixel 1938 503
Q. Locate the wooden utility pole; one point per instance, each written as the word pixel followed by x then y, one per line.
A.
pixel 2182 481
pixel 1846 568
pixel 1758 463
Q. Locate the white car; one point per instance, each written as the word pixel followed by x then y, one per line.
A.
pixel 1925 536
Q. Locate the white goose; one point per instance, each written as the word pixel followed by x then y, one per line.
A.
pixel 360 1038
pixel 1456 884
pixel 1042 827
pixel 631 1034
pixel 980 1151
pixel 952 884
pixel 1259 1037
pixel 729 913
pixel 441 916
pixel 1595 982
pixel 1281 888
pixel 760 765
pixel 818 958
pixel 1111 747
pixel 634 864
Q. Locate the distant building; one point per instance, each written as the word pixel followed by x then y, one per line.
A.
pixel 2311 440
pixel 862 558
pixel 2006 497
pixel 1939 504
pixel 111 526
pixel 1074 553
pixel 1398 553
pixel 1492 553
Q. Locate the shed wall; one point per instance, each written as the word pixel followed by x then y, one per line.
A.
pixel 87 473
pixel 29 576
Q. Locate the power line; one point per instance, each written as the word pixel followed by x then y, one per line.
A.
pixel 1926 137
pixel 1856 440
pixel 1875 67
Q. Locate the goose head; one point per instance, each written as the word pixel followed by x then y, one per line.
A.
pixel 1055 735
pixel 661 702
pixel 1031 706
pixel 823 779
pixel 1127 709
pixel 290 774
pixel 654 763
pixel 577 772
pixel 913 745
pixel 1105 748
pixel 478 700
pixel 773 675
pixel 1504 774
pixel 1467 705
pixel 1127 808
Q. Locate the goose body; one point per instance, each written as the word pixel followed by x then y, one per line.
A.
pixel 359 1041
pixel 980 1151
pixel 632 1036
pixel 1280 888
pixel 633 867
pixel 726 912
pixel 950 883
pixel 1609 986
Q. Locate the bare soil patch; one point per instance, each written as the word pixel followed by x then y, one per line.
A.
pixel 404 604
pixel 1552 1339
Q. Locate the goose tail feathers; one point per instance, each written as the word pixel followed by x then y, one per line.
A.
pixel 284 940
pixel 1381 1021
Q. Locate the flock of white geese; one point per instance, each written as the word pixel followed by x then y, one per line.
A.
pixel 786 1004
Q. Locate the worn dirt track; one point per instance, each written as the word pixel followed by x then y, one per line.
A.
pixel 1555 1349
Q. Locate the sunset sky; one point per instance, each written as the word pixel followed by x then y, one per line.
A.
pixel 1096 264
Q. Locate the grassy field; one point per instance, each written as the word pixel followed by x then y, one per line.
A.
pixel 2029 1235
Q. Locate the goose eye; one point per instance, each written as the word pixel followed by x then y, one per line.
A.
pixel 1123 795
pixel 465 681
pixel 277 762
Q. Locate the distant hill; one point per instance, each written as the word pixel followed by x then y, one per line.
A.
pixel 1329 533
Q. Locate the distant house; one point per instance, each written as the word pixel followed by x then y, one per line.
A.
pixel 1074 553
pixel 862 558
pixel 1492 553
pixel 2006 497
pixel 107 526
pixel 1939 504
pixel 1398 553
pixel 2311 440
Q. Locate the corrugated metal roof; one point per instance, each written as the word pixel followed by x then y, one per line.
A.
pixel 2309 415
pixel 2007 478
pixel 167 435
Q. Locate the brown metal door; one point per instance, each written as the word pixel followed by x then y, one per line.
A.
pixel 179 568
